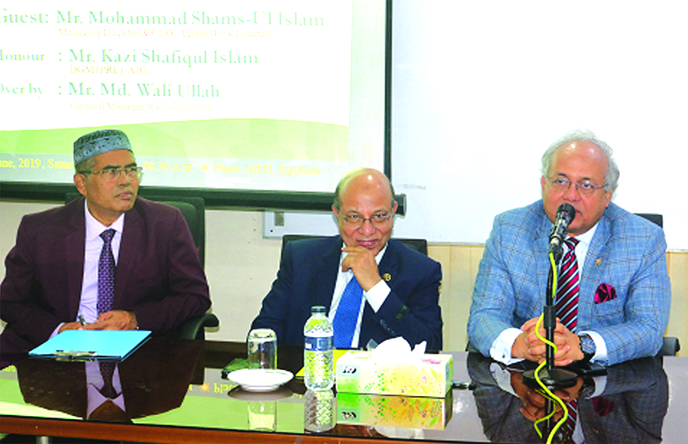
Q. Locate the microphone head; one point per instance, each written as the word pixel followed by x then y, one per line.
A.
pixel 566 209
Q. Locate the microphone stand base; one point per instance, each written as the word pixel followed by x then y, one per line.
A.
pixel 554 378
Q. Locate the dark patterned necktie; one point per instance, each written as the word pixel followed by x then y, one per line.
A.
pixel 570 425
pixel 347 314
pixel 106 273
pixel 568 288
pixel 107 371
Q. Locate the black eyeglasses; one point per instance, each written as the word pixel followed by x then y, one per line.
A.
pixel 354 220
pixel 586 186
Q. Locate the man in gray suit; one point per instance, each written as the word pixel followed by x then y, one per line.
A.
pixel 622 295
pixel 629 404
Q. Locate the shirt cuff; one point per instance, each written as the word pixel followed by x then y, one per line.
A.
pixel 377 295
pixel 600 385
pixel 501 347
pixel 601 356
pixel 502 377
pixel 57 330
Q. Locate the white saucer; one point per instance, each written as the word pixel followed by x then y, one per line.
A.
pixel 274 395
pixel 259 380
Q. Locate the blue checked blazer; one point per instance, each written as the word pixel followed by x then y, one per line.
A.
pixel 638 392
pixel 627 252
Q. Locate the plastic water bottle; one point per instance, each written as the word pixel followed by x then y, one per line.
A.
pixel 319 411
pixel 318 360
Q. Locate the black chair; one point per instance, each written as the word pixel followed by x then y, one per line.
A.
pixel 671 345
pixel 420 245
pixel 653 217
pixel 193 211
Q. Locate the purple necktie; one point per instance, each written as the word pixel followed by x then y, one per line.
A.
pixel 567 288
pixel 106 273
pixel 107 370
pixel 347 314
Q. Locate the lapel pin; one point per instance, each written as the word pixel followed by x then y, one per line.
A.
pixel 387 277
pixel 598 261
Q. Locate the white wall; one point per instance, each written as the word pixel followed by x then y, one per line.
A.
pixel 481 89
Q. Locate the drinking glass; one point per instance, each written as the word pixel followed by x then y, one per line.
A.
pixel 262 349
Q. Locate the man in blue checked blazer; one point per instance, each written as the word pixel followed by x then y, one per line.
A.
pixel 624 289
pixel 400 286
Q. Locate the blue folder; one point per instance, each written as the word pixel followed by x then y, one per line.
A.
pixel 91 344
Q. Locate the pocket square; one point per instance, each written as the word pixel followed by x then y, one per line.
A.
pixel 604 292
pixel 602 406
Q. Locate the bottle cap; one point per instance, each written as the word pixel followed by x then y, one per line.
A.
pixel 317 309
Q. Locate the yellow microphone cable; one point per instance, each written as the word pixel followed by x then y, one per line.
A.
pixel 546 391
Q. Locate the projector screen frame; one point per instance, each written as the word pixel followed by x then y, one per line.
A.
pixel 237 198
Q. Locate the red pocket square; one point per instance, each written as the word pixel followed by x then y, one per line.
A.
pixel 605 292
pixel 602 406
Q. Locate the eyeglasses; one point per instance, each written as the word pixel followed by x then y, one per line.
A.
pixel 112 174
pixel 585 187
pixel 354 220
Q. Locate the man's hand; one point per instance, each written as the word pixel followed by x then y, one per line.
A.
pixel 70 326
pixel 534 402
pixel 114 320
pixel 362 262
pixel 529 346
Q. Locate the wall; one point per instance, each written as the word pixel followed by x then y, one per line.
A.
pixel 241 265
pixel 481 89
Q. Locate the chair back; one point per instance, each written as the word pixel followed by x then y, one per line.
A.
pixel 671 345
pixel 653 217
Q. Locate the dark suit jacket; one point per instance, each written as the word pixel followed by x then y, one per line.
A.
pixel 159 275
pixel 307 277
pixel 154 379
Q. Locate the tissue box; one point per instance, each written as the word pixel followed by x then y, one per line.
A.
pixel 429 376
pixel 394 411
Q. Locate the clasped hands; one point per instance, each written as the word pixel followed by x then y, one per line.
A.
pixel 110 320
pixel 529 346
pixel 534 402
pixel 362 262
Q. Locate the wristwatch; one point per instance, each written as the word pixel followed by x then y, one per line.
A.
pixel 588 347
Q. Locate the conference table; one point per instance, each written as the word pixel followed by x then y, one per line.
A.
pixel 175 392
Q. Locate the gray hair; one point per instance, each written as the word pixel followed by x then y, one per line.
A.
pixel 611 176
pixel 85 165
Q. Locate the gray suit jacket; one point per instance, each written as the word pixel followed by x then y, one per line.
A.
pixel 630 410
pixel 627 254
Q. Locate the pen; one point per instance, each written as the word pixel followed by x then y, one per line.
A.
pixel 463 385
pixel 82 321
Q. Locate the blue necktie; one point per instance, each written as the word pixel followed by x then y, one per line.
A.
pixel 106 273
pixel 347 314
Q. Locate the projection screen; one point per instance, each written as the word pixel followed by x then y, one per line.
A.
pixel 257 100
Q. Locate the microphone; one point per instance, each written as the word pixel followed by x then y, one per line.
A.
pixel 565 214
